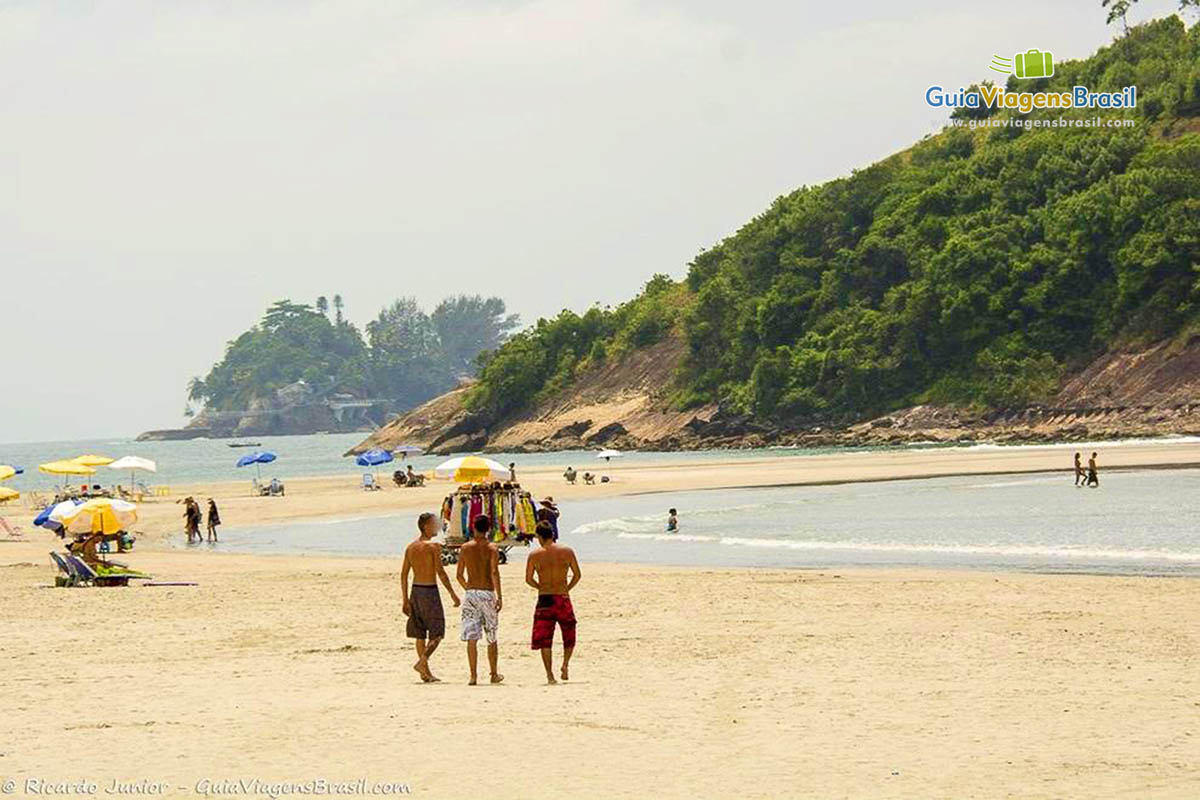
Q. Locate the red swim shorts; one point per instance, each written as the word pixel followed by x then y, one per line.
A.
pixel 551 609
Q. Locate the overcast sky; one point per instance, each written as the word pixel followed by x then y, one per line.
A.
pixel 167 170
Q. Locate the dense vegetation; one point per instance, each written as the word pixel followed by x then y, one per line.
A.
pixel 408 356
pixel 974 268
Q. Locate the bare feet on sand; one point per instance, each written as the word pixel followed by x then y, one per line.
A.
pixel 564 674
pixel 423 670
pixel 550 679
pixel 497 678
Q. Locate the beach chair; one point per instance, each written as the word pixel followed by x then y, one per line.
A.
pixel 102 577
pixel 369 484
pixel 258 489
pixel 66 576
pixel 276 488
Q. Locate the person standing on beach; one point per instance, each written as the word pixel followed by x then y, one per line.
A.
pixel 423 606
pixel 1080 475
pixel 546 570
pixel 1092 478
pixel 512 471
pixel 479 575
pixel 214 519
pixel 549 513
pixel 672 521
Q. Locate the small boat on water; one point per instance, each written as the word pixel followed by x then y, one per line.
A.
pixel 244 444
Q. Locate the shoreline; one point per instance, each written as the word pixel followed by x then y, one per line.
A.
pixel 341 496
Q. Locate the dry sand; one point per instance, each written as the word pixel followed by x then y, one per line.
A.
pixel 687 682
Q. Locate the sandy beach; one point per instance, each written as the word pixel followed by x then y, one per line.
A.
pixel 688 682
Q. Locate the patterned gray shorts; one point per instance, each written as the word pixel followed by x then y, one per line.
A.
pixel 479 615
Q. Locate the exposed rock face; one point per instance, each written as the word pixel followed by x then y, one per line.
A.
pixel 1148 392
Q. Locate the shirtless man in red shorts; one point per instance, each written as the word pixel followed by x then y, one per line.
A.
pixel 546 570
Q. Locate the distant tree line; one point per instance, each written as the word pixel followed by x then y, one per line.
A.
pixel 407 356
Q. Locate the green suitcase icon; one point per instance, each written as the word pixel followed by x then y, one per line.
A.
pixel 1033 64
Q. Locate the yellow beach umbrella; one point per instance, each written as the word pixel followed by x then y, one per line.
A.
pixel 92 460
pixel 7 494
pixel 6 472
pixel 472 468
pixel 102 515
pixel 66 468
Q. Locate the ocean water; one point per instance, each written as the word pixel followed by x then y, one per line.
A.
pixel 1136 523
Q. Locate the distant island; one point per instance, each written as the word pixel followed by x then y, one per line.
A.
pixel 1011 278
pixel 299 371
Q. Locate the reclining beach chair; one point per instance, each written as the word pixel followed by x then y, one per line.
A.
pixel 102 577
pixel 369 483
pixel 66 576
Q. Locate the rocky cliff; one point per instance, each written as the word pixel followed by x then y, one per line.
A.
pixel 1139 392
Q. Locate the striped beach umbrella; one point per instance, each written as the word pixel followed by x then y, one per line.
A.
pixel 472 468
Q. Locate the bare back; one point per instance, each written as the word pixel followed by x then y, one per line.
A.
pixel 552 564
pixel 424 558
pixel 478 559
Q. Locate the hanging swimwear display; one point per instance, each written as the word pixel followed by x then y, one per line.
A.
pixel 510 508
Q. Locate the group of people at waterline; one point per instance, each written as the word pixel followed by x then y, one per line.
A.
pixel 1087 477
pixel 553 570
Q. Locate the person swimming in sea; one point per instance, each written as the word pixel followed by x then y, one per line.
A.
pixel 672 521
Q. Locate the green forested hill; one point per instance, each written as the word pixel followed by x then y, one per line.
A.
pixel 407 357
pixel 976 268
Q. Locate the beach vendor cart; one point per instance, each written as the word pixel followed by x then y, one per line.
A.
pixel 484 489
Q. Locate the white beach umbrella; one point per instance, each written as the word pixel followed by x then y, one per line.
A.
pixel 607 454
pixel 134 464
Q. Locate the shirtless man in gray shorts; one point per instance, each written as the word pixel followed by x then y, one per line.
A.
pixel 423 607
pixel 480 561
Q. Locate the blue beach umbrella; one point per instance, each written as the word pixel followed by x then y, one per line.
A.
pixel 45 520
pixel 257 459
pixel 373 458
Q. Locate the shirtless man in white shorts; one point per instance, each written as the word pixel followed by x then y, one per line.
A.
pixel 480 561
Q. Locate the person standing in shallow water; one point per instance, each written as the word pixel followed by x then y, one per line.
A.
pixel 1092 478
pixel 1080 475
pixel 214 519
